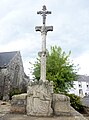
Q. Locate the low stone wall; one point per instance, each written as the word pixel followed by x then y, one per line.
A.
pixel 41 101
pixel 18 103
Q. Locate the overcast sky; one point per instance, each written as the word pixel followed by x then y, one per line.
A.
pixel 69 18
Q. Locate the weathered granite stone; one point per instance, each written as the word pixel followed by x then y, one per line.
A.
pixel 18 103
pixel 43 29
pixel 39 98
pixel 42 102
pixel 85 103
pixel 11 73
pixel 61 106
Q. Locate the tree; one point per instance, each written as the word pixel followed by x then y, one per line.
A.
pixel 76 103
pixel 59 69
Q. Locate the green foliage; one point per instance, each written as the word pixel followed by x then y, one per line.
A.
pixel 76 102
pixel 58 69
pixel 36 72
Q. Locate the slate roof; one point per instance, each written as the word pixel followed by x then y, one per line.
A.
pixel 83 78
pixel 5 58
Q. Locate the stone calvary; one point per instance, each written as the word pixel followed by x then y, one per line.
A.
pixel 40 93
pixel 40 100
pixel 43 29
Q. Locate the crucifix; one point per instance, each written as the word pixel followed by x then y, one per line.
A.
pixel 43 29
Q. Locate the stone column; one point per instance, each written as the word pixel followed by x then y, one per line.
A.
pixel 43 55
pixel 43 29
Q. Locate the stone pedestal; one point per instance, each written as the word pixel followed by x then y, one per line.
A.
pixel 61 104
pixel 18 103
pixel 41 101
pixel 39 98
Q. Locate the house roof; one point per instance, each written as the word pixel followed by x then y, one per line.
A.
pixel 5 58
pixel 83 78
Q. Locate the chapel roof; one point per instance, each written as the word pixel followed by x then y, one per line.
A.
pixel 83 78
pixel 6 57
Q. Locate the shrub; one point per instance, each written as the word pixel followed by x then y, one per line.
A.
pixel 75 102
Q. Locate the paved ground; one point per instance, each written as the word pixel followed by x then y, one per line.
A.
pixel 4 108
pixel 5 115
pixel 25 117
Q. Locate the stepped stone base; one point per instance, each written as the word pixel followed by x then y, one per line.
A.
pixel 41 101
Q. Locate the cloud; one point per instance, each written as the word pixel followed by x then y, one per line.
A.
pixel 70 19
pixel 83 62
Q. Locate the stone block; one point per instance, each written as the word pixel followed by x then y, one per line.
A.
pixel 18 109
pixel 19 103
pixel 38 107
pixel 20 96
pixel 39 98
pixel 61 104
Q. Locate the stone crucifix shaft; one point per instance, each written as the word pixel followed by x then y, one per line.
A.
pixel 43 29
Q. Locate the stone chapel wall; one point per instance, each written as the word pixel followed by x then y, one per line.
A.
pixel 16 71
pixel 11 76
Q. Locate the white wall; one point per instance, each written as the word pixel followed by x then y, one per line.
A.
pixel 80 85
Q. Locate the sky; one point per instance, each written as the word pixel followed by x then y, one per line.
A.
pixel 70 21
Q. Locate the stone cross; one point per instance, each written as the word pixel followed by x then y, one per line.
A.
pixel 43 29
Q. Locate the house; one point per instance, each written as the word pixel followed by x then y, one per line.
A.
pixel 11 72
pixel 81 86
